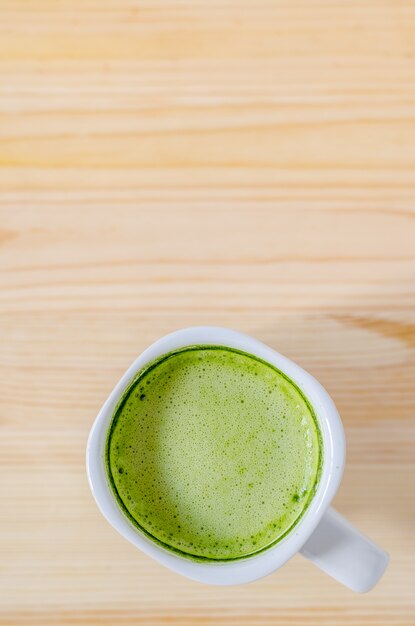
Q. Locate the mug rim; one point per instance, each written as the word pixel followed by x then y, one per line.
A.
pixel 269 559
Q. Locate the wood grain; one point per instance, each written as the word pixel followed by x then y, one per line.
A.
pixel 170 163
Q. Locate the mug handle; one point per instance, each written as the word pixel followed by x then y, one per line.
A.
pixel 344 553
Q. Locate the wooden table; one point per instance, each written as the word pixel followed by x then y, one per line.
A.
pixel 174 162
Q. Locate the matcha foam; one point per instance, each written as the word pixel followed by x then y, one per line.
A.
pixel 213 452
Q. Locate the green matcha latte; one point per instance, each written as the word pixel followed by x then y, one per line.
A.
pixel 213 453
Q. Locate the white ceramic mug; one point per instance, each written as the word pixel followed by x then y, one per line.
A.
pixel 322 535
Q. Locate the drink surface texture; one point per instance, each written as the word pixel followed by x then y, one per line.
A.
pixel 213 453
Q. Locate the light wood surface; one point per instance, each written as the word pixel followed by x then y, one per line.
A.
pixel 174 162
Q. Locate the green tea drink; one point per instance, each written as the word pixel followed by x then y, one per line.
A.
pixel 213 453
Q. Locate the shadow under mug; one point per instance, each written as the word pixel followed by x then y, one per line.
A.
pixel 322 535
